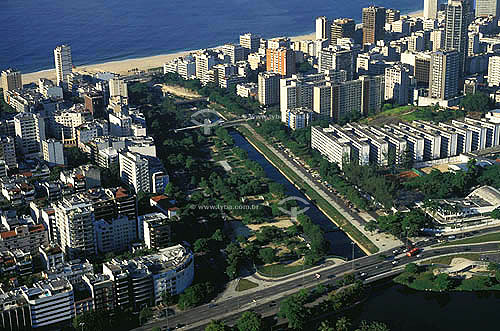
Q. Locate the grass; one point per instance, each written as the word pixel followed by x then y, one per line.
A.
pixel 326 207
pixel 474 240
pixel 244 285
pixel 447 259
pixel 280 270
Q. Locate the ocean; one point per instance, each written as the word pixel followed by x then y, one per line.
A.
pixel 101 31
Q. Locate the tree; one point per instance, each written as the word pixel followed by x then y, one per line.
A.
pixel 267 255
pixel 342 324
pixel 442 282
pixel 325 326
pixel 495 214
pixel 477 102
pixel 373 326
pixel 250 321
pixel 201 245
pixel 411 268
pixel 76 157
pixel 145 314
pixel 195 295
pixel 167 298
pixel 215 326
pixel 294 310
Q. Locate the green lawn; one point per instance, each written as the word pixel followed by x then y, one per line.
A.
pixel 447 259
pixel 474 240
pixel 280 270
pixel 312 194
pixel 244 285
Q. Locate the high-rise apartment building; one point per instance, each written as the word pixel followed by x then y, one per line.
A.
pixel 52 151
pixel 11 80
pixel 494 71
pixel 342 28
pixel 323 28
pixel 373 24
pixel 204 62
pixel 337 58
pixel 8 151
pixel 75 226
pixel 456 24
pixel 392 15
pixel 64 64
pixel 397 84
pixel 235 52
pixel 430 9
pixel 250 41
pixel 118 88
pixel 281 61
pixel 134 171
pixel 269 88
pixel 444 73
pixel 487 8
pixel 30 131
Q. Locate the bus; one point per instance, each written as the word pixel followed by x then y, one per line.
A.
pixel 412 252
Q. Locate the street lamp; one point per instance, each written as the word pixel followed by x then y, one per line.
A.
pixel 352 243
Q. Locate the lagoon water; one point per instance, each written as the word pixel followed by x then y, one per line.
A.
pixel 101 31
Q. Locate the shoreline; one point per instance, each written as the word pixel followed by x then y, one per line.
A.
pixel 122 67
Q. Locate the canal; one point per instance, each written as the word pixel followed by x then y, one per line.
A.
pixel 340 243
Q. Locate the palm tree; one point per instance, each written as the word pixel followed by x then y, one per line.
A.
pixel 325 326
pixel 342 324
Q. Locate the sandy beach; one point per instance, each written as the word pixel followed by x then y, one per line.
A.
pixel 122 67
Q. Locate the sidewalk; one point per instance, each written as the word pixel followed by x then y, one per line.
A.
pixel 382 241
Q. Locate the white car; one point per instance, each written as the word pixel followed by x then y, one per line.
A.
pixel 395 262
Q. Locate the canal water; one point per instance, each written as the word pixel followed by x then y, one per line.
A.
pixel 340 243
pixel 404 309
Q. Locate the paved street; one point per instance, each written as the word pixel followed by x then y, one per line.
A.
pixel 267 300
pixel 382 241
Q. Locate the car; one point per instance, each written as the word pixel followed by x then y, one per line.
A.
pixel 272 304
pixel 180 325
pixel 211 305
pixel 363 274
pixel 395 262
pixel 418 255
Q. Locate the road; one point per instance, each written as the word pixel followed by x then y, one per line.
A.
pixel 266 301
pixel 379 240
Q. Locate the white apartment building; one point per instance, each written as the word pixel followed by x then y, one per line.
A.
pixel 335 150
pixel 494 71
pixel 485 8
pixel 134 171
pixel 75 226
pixel 30 131
pixel 120 124
pixel 235 52
pixel 52 151
pixel 50 302
pixel 118 88
pixel 250 41
pixel 63 63
pixel 115 235
pixel 185 67
pixel 204 62
pixel 444 75
pixel 63 123
pixel 298 118
pixel 269 88
pixel 430 9
pixel 397 84
pixel 247 90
